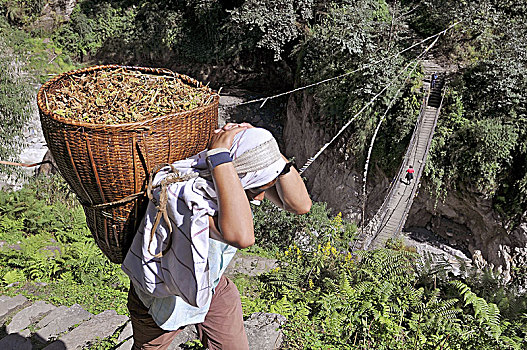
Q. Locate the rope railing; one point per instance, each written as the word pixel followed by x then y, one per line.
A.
pixel 325 146
pixel 345 126
pixel 26 165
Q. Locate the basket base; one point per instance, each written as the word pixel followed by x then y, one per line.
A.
pixel 114 228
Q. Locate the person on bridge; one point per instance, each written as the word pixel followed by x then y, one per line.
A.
pixel 177 260
pixel 410 174
pixel 433 80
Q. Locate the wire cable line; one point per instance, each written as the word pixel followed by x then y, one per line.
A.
pixel 265 99
pixel 345 126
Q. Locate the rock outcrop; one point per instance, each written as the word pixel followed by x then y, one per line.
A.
pixel 466 220
pixel 55 12
pixel 331 178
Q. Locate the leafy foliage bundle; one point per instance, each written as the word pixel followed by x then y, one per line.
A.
pixel 122 96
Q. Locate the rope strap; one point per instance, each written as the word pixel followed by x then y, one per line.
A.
pixel 161 205
pixel 114 203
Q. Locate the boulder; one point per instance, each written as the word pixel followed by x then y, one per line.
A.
pixel 59 321
pixel 249 265
pixel 98 327
pixel 263 331
pixel 9 305
pixel 28 316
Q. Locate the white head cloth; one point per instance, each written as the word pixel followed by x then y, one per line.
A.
pixel 183 269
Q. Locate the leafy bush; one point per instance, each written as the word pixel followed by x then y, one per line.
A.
pixel 46 240
pixel 334 299
pixel 276 228
pixel 271 25
pixel 20 12
pixel 24 61
pixel 389 298
pixel 92 25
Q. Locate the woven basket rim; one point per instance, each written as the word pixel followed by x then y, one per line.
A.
pixel 42 104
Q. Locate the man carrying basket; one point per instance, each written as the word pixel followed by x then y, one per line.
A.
pixel 198 215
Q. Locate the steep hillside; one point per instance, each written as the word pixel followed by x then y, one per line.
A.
pixel 479 150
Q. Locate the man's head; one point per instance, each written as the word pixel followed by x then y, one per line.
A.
pixel 256 158
pixel 258 193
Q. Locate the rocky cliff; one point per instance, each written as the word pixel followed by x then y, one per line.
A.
pixel 55 12
pixel 465 220
pixel 331 178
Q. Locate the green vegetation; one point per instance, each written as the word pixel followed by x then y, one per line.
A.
pixel 54 255
pixel 384 299
pixel 20 12
pixel 480 144
pixel 348 39
pixel 333 299
pixel 25 61
pixel 15 98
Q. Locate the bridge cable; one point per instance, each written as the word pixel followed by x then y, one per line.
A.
pixel 364 194
pixel 372 142
pixel 345 126
pixel 265 99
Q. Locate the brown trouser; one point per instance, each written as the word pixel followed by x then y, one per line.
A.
pixel 222 328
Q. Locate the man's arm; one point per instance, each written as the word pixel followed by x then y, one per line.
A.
pixel 234 222
pixel 290 193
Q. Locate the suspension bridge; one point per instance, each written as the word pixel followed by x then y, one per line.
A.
pixel 390 218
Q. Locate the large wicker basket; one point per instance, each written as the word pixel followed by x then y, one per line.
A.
pixel 106 163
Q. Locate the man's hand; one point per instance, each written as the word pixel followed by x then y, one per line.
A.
pixel 223 138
